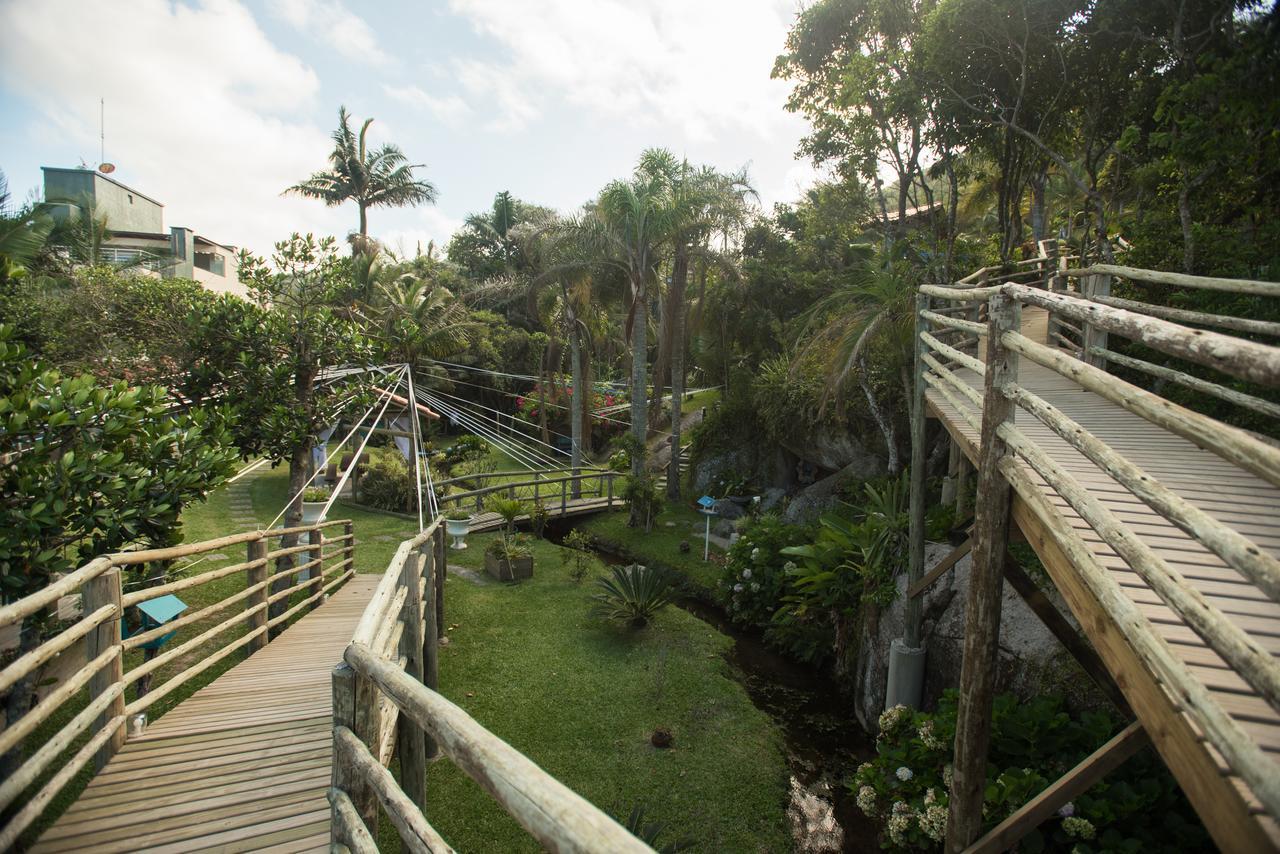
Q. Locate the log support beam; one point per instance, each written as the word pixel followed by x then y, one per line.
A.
pixel 982 614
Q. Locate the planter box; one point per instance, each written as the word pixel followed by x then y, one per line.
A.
pixel 504 570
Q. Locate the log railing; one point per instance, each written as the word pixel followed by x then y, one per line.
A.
pixel 1009 455
pixel 386 701
pixel 116 670
pixel 550 492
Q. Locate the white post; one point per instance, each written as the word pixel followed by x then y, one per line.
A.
pixel 706 542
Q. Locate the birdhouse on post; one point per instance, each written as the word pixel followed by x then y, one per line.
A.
pixel 155 613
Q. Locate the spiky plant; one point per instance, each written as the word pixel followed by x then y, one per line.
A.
pixel 633 594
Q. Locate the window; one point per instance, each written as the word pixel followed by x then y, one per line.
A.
pixel 130 195
pixel 213 262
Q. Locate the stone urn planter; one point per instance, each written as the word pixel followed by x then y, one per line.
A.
pixel 502 569
pixel 314 499
pixel 458 529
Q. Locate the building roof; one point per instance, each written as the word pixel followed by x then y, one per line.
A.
pixel 103 177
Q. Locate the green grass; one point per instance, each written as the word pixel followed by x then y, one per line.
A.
pixel 694 402
pixel 661 546
pixel 581 698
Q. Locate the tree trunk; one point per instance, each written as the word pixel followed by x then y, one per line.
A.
pixel 884 421
pixel 675 320
pixel 639 409
pixel 1037 207
pixel 299 475
pixel 364 221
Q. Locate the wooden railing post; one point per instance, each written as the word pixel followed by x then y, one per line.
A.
pixel 536 483
pixel 432 629
pixel 609 503
pixel 440 569
pixel 412 746
pixel 915 568
pixel 315 537
pixel 105 589
pixel 1094 337
pixel 348 531
pixel 257 574
pixel 982 614
pixel 345 776
pixel 564 496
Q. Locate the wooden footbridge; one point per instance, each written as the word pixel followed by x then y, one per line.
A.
pixel 1159 525
pixel 287 750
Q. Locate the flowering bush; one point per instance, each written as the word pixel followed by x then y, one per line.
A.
pixel 905 788
pixel 754 577
pixel 558 396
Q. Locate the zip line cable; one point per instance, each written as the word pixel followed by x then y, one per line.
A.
pixel 325 464
pixel 520 453
pixel 488 419
pixel 337 490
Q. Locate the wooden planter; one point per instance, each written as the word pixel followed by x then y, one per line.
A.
pixel 508 570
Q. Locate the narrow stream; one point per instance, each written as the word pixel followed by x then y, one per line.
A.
pixel 824 742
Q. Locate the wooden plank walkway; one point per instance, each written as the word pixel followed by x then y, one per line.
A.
pixel 241 765
pixel 489 521
pixel 1237 498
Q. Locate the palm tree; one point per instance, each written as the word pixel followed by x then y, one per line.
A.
pixel 379 178
pixel 870 310
pixel 22 235
pixel 422 320
pixel 706 202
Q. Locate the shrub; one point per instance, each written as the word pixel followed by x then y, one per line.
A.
pixel 633 594
pixel 644 497
pixel 315 494
pixel 754 579
pixel 466 449
pixel 905 788
pixel 577 554
pixel 388 482
pixel 538 516
pixel 510 548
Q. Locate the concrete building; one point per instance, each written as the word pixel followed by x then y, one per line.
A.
pixel 136 225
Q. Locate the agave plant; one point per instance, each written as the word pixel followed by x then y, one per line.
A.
pixel 633 594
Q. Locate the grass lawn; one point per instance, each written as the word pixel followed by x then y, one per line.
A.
pixel 581 698
pixel 693 402
pixel 661 546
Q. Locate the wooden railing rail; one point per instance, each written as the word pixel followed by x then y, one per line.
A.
pixel 387 686
pixel 600 483
pixel 1010 455
pixel 518 473
pixel 98 631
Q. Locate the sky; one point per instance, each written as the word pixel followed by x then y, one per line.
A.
pixel 213 107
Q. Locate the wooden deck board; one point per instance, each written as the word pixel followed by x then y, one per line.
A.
pixel 243 764
pixel 1233 496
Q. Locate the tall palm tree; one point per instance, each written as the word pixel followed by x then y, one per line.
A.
pixel 422 320
pixel 379 178
pixel 706 202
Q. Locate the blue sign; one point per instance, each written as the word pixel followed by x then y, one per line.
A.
pixel 706 503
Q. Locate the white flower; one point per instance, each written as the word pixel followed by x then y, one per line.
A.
pixel 737 588
pixel 755 553
pixel 755 588
pixel 1080 828
pixel 948 774
pixel 867 800
pixel 930 796
pixel 746 573
pixel 904 774
pixel 890 718
pixel 933 822
pixel 1067 810
pixel 899 821
pixel 927 737
pixel 789 565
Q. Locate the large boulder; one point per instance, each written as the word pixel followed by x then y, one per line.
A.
pixel 1031 661
pixel 727 508
pixel 836 450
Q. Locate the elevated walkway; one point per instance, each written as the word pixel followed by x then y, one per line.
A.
pixel 242 764
pixel 1189 637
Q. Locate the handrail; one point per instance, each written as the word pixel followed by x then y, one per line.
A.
pixel 98 629
pixel 517 472
pixel 390 666
pixel 599 476
pixel 1008 452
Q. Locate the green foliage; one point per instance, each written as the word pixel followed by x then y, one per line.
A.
pixel 538 517
pixel 315 494
pixel 578 546
pixel 388 482
pixel 904 788
pixel 644 498
pixel 510 547
pixel 90 468
pixel 754 580
pixel 466 448
pixel 633 594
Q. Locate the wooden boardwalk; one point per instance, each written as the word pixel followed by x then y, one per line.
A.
pixel 1236 497
pixel 241 765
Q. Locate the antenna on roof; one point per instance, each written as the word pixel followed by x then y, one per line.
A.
pixel 104 167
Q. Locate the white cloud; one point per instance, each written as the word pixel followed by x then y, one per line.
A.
pixel 449 109
pixel 512 106
pixel 701 66
pixel 204 118
pixel 333 24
